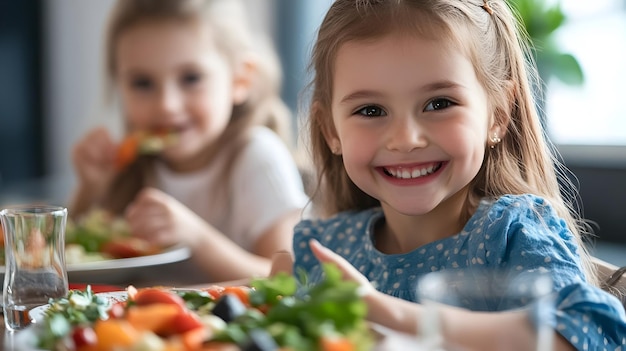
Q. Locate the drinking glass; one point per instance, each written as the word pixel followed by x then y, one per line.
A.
pixel 35 270
pixel 486 290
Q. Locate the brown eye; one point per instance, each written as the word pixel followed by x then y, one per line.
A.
pixel 141 83
pixel 438 104
pixel 191 78
pixel 371 111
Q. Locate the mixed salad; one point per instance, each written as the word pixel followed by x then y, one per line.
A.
pixel 99 236
pixel 271 314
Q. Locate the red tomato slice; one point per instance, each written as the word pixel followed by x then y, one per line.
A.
pixel 184 322
pixel 147 296
pixel 216 291
pixel 129 247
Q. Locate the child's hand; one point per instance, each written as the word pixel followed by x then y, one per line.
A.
pixel 282 262
pixel 162 220
pixel 94 157
pixel 324 255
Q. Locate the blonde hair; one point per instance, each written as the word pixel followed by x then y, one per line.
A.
pixel 226 22
pixel 492 38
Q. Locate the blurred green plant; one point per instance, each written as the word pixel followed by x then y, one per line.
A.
pixel 541 20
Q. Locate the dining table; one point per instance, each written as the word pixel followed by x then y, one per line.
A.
pixel 386 340
pixel 180 272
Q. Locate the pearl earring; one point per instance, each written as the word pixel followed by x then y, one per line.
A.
pixel 336 150
pixel 495 139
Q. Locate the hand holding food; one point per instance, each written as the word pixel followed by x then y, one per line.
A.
pixel 94 159
pixel 142 143
pixel 158 217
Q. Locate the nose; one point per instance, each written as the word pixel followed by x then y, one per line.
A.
pixel 405 134
pixel 170 101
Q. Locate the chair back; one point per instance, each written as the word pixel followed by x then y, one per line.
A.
pixel 612 278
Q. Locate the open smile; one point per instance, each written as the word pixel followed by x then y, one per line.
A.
pixel 404 172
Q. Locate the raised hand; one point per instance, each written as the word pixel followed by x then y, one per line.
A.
pixel 324 255
pixel 93 157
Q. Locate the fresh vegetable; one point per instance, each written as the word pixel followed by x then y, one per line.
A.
pixel 128 247
pixel 78 310
pixel 272 314
pixel 127 151
pixel 99 235
pixel 142 143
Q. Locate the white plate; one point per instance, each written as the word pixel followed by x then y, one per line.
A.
pixel 120 271
pixel 37 313
pixel 26 340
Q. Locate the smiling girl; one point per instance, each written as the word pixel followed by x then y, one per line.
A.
pixel 431 156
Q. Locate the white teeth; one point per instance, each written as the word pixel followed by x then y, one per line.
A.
pixel 416 173
pixel 407 173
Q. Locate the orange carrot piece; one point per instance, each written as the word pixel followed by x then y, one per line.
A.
pixel 114 334
pixel 242 293
pixel 193 339
pixel 127 151
pixel 156 317
pixel 333 343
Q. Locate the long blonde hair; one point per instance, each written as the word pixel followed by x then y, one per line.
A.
pixel 524 162
pixel 227 24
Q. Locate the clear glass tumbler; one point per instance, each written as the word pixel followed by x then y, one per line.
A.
pixel 528 293
pixel 35 270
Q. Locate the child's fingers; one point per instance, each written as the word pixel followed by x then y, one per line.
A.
pixel 325 255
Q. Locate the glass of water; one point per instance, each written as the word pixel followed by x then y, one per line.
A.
pixel 528 293
pixel 35 271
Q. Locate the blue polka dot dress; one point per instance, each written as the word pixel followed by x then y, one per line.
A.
pixel 515 233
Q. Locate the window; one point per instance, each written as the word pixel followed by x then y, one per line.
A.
pixel 594 113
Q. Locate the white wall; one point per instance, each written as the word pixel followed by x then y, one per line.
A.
pixel 74 31
pixel 73 76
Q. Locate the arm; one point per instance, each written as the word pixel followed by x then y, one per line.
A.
pixel 220 252
pixel 471 330
pixel 160 218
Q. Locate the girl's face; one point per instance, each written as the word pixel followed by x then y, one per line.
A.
pixel 172 77
pixel 411 121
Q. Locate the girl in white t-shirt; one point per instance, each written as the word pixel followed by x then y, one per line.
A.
pixel 225 183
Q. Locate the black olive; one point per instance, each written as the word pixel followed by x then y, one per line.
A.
pixel 259 340
pixel 229 307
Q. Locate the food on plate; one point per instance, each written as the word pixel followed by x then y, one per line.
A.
pixel 99 235
pixel 143 143
pixel 268 315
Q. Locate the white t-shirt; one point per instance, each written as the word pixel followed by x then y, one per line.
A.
pixel 265 185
